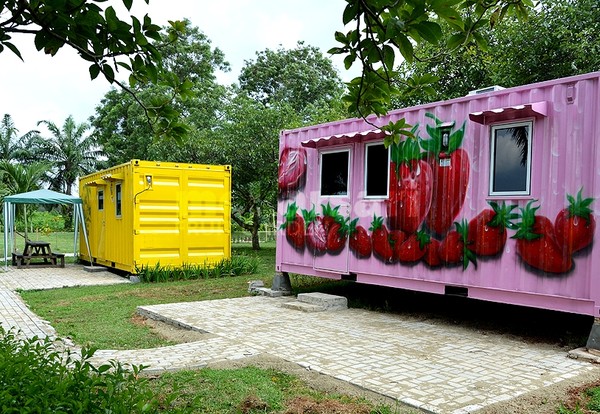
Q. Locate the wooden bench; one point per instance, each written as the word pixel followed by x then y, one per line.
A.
pixel 21 260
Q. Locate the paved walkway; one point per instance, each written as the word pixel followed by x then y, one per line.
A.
pixel 437 368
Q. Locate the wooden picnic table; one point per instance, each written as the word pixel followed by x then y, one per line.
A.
pixel 41 254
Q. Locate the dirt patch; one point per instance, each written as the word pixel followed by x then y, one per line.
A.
pixel 169 332
pixel 543 401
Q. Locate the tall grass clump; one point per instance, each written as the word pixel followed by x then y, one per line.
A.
pixel 236 266
pixel 36 378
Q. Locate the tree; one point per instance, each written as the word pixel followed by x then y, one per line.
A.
pixel 280 90
pixel 70 152
pixel 120 124
pixel 560 39
pixel 557 41
pixel 248 139
pixel 381 29
pixel 108 43
pixel 298 77
pixel 18 178
pixel 11 145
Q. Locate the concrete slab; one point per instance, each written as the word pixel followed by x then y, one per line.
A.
pixel 437 368
pixel 325 300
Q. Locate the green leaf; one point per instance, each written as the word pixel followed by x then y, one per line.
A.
pixel 128 4
pixel 109 73
pixel 406 47
pixel 112 20
pixel 388 56
pixel 430 31
pixel 14 49
pixel 456 40
pixel 481 42
pixel 94 71
pixel 350 12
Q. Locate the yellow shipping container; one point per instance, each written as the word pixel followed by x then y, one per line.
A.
pixel 144 213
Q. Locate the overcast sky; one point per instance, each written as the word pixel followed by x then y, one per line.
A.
pixel 52 88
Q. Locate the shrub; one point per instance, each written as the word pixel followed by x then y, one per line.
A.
pixel 236 266
pixel 42 222
pixel 36 378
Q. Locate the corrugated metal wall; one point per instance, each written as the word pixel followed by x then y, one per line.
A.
pixel 564 160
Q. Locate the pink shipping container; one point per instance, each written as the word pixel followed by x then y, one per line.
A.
pixel 350 208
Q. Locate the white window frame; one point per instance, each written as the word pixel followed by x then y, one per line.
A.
pixel 118 200
pixel 349 183
pixel 366 170
pixel 100 192
pixel 493 129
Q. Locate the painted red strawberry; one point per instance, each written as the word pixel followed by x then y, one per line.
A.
pixel 411 187
pixel 291 171
pixel 360 241
pixel 337 234
pixel 336 227
pixel 487 230
pixel 316 233
pixel 414 247
pixel 575 225
pixel 396 238
pixel 536 243
pixel 453 249
pixel 294 227
pixel 432 255
pixel 450 166
pixel 381 243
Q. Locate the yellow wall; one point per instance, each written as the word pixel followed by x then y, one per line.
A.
pixel 182 217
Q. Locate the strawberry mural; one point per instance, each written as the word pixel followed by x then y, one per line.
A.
pixel 316 233
pixel 327 233
pixel 292 171
pixel 294 227
pixel 454 248
pixel 450 167
pixel 487 231
pixel 382 248
pixel 536 243
pixel 413 248
pixel 411 186
pixel 575 225
pixel 432 255
pixel 359 240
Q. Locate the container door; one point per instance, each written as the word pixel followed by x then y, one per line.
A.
pixel 332 209
pixel 100 225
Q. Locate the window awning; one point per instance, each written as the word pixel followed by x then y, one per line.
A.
pixel 96 183
pixel 356 136
pixel 535 109
pixel 113 177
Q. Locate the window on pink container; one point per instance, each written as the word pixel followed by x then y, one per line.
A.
pixel 510 159
pixel 377 168
pixel 334 173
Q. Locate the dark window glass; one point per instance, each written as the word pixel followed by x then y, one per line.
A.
pixel 118 200
pixel 511 159
pixel 334 173
pixel 100 199
pixel 376 170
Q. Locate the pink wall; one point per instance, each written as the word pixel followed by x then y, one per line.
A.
pixel 564 151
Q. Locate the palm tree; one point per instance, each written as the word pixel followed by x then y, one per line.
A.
pixel 71 152
pixel 11 145
pixel 18 178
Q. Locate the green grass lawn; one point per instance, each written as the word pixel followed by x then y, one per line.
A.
pixel 104 316
pixel 61 242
